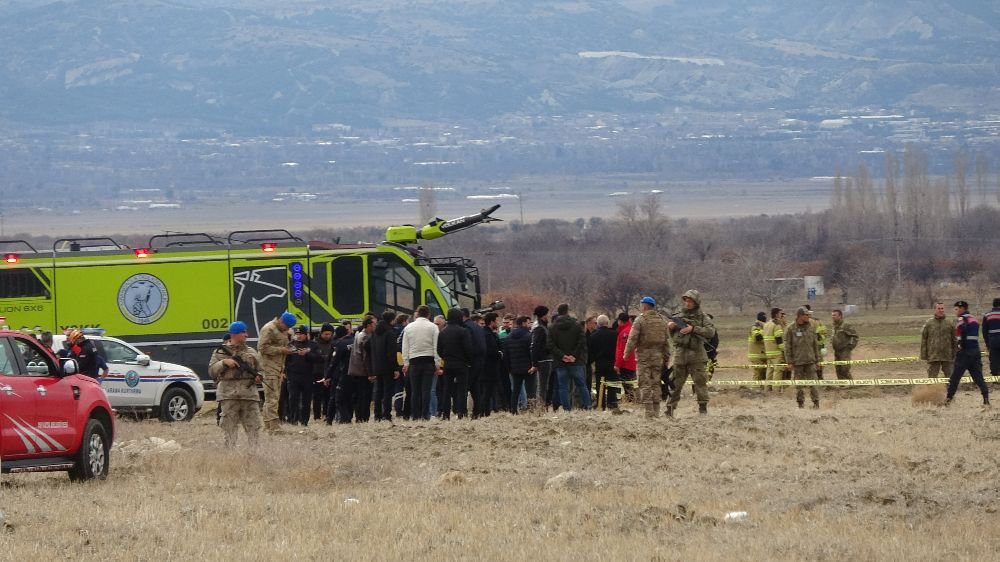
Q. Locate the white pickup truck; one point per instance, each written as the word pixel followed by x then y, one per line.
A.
pixel 135 383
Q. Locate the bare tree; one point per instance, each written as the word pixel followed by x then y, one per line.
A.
pixel 982 169
pixel 960 162
pixel 763 269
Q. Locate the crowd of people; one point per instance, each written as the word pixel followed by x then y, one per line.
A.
pixel 419 368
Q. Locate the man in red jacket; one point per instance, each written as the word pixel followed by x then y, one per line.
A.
pixel 625 367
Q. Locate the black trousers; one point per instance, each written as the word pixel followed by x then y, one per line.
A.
pixel 546 382
pixel 530 383
pixel 333 405
pixel 453 392
pixel 300 391
pixel 355 399
pixel 421 376
pixel 283 413
pixel 385 388
pixel 995 356
pixel 972 362
pixel 487 394
pixel 321 399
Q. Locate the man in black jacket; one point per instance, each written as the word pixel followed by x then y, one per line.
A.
pixel 321 392
pixel 299 373
pixel 490 377
pixel 336 370
pixel 478 362
pixel 455 350
pixel 602 354
pixel 541 359
pixel 517 356
pixel 384 365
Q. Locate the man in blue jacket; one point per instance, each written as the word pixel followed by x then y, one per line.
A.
pixel 968 357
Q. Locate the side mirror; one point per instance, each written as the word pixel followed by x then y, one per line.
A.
pixel 69 367
pixel 142 360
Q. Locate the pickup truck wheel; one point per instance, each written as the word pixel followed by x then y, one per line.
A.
pixel 177 405
pixel 94 456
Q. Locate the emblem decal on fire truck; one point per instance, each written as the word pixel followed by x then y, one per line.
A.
pixel 142 299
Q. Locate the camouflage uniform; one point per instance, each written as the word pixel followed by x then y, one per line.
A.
pixel 689 353
pixel 774 346
pixel 649 339
pixel 271 344
pixel 237 392
pixel 844 340
pixel 937 346
pixel 756 351
pixel 802 354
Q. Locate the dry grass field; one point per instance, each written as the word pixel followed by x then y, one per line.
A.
pixel 872 475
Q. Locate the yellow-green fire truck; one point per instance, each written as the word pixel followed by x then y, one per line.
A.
pixel 176 296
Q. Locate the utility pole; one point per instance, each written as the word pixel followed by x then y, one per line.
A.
pixel 520 203
pixel 899 268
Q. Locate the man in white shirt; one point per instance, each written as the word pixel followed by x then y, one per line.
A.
pixel 420 361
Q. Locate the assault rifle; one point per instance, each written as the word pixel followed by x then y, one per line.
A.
pixel 243 371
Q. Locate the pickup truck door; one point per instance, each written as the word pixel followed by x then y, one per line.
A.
pixel 17 408
pixel 54 396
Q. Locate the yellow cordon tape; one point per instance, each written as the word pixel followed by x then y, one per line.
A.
pixel 855 382
pixel 823 363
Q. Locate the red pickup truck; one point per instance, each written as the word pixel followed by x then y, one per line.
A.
pixel 51 418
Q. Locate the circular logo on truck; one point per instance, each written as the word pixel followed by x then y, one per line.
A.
pixel 142 298
pixel 132 379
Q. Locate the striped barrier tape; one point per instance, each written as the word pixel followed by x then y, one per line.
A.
pixel 855 382
pixel 824 363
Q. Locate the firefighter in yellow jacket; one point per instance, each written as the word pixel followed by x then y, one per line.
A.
pixel 774 344
pixel 756 351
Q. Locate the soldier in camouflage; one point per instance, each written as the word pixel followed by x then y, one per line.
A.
pixel 937 343
pixel 689 330
pixel 273 347
pixel 844 340
pixel 234 367
pixel 649 339
pixel 802 354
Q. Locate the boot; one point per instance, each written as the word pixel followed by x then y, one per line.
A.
pixel 986 401
pixel 815 404
pixel 669 411
pixel 948 401
pixel 652 410
pixel 702 408
pixel 802 404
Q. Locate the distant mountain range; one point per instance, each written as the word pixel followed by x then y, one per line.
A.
pixel 290 65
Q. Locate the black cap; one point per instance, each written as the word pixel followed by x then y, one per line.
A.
pixel 302 329
pixel 762 317
pixel 327 327
pixel 962 304
pixel 541 310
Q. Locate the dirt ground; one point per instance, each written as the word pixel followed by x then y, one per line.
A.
pixel 872 475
